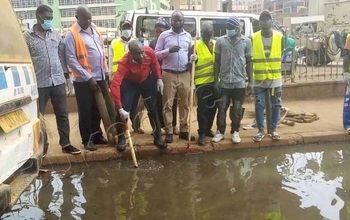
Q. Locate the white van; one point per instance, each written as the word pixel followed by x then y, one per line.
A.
pixel 143 22
pixel 20 135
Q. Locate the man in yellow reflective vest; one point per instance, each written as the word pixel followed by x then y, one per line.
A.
pixel 119 49
pixel 267 77
pixel 346 67
pixel 204 81
pixel 233 55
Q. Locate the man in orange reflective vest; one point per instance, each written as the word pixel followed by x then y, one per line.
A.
pixel 85 57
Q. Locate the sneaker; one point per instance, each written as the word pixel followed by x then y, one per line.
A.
pixel 71 150
pixel 259 136
pixel 235 137
pixel 176 130
pixel 275 136
pixel 348 130
pixel 217 137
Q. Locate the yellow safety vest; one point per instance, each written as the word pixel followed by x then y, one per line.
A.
pixel 267 68
pixel 118 53
pixel 204 72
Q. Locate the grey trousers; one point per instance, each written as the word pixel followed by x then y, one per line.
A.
pixel 58 97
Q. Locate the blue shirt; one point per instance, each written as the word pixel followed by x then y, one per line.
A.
pixel 176 61
pixel 95 54
pixel 47 56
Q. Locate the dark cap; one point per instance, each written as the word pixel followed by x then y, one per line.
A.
pixel 265 14
pixel 126 22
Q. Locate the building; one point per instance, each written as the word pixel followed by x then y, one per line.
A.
pixel 196 5
pixel 103 11
pixel 241 6
pixel 256 6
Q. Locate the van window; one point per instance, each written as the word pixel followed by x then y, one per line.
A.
pixel 219 25
pixel 13 47
pixel 145 26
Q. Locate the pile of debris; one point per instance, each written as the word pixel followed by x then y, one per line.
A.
pixel 289 117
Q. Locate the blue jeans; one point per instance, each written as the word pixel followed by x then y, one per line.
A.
pixel 276 104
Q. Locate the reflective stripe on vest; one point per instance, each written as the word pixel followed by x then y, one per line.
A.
pixel 267 68
pixel 204 72
pixel 118 53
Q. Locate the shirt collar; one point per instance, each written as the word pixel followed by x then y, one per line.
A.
pixel 32 30
pixel 93 26
pixel 182 32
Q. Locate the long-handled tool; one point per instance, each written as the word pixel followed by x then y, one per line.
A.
pixel 192 90
pixel 127 133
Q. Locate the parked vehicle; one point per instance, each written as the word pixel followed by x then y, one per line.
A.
pixel 21 147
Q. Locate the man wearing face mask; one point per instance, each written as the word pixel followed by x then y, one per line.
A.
pixel 204 81
pixel 267 77
pixel 120 47
pixel 132 77
pixel 85 56
pixel 46 48
pixel 233 64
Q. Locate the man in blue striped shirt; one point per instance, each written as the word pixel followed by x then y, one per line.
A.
pixel 47 51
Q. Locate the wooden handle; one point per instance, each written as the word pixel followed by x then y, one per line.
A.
pixel 133 155
pixel 192 88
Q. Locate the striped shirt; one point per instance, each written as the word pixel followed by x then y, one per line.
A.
pixel 47 57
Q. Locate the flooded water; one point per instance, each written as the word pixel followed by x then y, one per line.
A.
pixel 311 182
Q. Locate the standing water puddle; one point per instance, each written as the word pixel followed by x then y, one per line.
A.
pixel 311 182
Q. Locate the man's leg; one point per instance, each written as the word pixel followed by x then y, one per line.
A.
pixel 169 80
pixel 84 95
pixel 44 95
pixel 148 91
pixel 236 110
pixel 276 104
pixel 175 128
pixel 221 116
pixel 259 100
pixel 59 103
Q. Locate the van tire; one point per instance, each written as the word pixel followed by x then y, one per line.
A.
pixel 5 198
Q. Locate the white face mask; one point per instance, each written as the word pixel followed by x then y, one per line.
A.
pixel 126 33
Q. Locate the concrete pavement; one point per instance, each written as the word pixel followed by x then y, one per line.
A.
pixel 327 129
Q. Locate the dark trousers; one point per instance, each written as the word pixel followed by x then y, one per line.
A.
pixel 160 109
pixel 134 114
pixel 58 97
pixel 148 91
pixel 206 106
pixel 237 98
pixel 89 115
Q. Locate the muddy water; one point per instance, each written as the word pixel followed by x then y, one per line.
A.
pixel 309 183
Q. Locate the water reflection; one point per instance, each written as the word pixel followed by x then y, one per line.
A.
pixel 294 183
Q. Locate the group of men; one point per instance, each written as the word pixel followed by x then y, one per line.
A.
pixel 224 70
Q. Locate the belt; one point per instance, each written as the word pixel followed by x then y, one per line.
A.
pixel 174 71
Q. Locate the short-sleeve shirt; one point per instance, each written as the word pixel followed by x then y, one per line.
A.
pixel 233 61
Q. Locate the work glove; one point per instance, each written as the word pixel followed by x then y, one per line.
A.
pixel 193 58
pixel 160 86
pixel 70 87
pixel 123 114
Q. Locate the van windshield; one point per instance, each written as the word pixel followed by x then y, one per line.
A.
pixel 13 48
pixel 145 26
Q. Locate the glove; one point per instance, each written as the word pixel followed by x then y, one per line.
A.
pixel 123 114
pixel 160 86
pixel 70 87
pixel 193 58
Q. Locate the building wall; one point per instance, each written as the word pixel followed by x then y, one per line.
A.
pixel 256 6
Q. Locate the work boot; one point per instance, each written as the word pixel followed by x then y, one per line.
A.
pixel 160 143
pixel 184 135
pixel 169 138
pixel 210 133
pixel 100 141
pixel 121 145
pixel 201 140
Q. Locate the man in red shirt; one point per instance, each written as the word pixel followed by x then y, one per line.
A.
pixel 133 76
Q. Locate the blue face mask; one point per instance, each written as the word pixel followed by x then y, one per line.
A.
pixel 232 33
pixel 46 25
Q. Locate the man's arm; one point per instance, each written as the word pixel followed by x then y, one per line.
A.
pixel 160 51
pixel 155 67
pixel 71 57
pixel 115 85
pixel 217 61
pixel 249 60
pixel 61 55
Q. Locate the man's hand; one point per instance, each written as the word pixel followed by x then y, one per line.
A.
pixel 217 87
pixel 174 49
pixel 70 87
pixel 123 114
pixel 193 58
pixel 160 86
pixel 107 78
pixel 248 89
pixel 93 85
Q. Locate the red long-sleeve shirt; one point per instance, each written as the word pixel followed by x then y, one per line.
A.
pixel 134 72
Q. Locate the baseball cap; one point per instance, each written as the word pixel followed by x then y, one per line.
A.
pixel 126 22
pixel 265 14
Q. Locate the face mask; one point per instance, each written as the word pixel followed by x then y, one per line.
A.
pixel 232 32
pixel 126 33
pixel 46 25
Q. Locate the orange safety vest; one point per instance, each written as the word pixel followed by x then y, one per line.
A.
pixel 81 50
